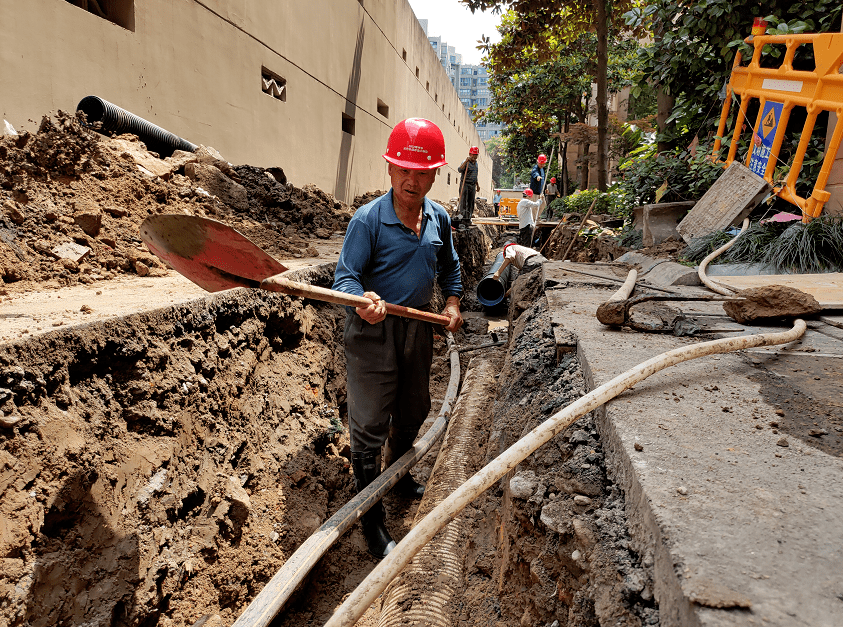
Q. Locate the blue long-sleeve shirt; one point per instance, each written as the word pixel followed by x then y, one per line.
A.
pixel 381 255
pixel 535 183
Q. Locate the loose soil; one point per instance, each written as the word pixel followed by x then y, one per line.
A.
pixel 158 467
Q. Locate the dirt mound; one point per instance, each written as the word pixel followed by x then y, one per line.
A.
pixel 359 201
pixel 585 249
pixel 72 202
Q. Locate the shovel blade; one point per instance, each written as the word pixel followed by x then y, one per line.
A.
pixel 211 254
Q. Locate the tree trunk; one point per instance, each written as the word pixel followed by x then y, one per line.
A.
pixel 602 94
pixel 563 151
pixel 584 171
pixel 664 103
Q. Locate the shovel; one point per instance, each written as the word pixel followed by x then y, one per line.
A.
pixel 216 257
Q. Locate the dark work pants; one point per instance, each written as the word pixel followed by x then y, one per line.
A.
pixel 388 373
pixel 467 202
pixel 525 236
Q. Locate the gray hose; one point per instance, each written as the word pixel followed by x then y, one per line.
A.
pixel 491 291
pixel 117 120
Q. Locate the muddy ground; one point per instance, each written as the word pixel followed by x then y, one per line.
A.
pixel 158 468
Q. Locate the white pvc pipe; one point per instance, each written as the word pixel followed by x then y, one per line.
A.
pixel 712 285
pixel 375 583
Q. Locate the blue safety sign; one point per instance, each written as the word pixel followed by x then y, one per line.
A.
pixel 762 143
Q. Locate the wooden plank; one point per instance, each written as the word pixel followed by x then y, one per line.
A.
pixel 732 197
pixel 826 288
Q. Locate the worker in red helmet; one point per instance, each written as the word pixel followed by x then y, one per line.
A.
pixel 537 174
pixel 551 193
pixel 468 187
pixel 528 212
pixel 395 249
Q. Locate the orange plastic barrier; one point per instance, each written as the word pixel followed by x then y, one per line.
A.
pixel 779 90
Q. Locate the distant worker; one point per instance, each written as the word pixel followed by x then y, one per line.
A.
pixel 468 186
pixel 496 200
pixel 519 256
pixel 537 174
pixel 528 211
pixel 396 247
pixel 551 193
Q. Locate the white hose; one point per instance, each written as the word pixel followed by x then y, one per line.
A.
pixel 712 285
pixel 626 289
pixel 375 583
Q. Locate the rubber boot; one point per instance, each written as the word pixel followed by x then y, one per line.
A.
pixel 396 445
pixel 367 467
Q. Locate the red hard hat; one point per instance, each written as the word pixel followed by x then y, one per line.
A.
pixel 416 144
pixel 552 179
pixel 542 158
pixel 528 192
pixel 474 150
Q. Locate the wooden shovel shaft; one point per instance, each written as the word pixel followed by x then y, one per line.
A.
pixel 281 284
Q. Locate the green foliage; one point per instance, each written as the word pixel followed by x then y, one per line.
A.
pixel 688 176
pixel 787 247
pixel 630 238
pixel 693 47
pixel 611 202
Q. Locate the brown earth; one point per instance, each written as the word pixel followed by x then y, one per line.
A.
pixel 68 186
pixel 159 467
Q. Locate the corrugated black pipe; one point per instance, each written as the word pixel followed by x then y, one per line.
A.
pixel 491 291
pixel 117 120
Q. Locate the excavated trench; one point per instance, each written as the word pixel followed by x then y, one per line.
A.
pixel 162 466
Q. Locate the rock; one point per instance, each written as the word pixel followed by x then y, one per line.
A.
pixel 557 516
pixel 210 178
pixel 585 534
pixel 771 301
pixel 682 490
pixel 322 233
pixel 523 484
pixel 115 211
pixel 579 437
pixel 89 219
pixel 68 264
pixel 237 496
pixel 141 268
pixel 638 447
pixel 69 250
pixel 135 150
pixel 12 212
pixel 8 129
pixel 783 442
pixel 581 500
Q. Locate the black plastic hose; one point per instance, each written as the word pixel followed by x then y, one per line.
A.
pixel 491 291
pixel 117 120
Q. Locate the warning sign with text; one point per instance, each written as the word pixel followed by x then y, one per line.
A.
pixel 762 143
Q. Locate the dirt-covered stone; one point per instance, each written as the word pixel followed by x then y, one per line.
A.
pixel 771 301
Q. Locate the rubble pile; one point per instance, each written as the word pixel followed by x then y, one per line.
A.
pixel 71 202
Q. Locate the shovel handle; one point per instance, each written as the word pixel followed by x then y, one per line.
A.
pixel 294 288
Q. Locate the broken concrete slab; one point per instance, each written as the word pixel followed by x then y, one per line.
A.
pixel 8 129
pixel 739 529
pixel 212 179
pixel 660 271
pixel 70 250
pixel 658 222
pixel 732 197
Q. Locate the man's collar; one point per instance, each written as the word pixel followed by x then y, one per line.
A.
pixel 390 217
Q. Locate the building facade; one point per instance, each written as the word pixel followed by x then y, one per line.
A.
pixel 246 77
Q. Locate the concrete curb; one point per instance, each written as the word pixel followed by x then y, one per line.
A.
pixel 741 531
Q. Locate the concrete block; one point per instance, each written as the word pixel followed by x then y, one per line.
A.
pixel 658 222
pixel 661 271
pixel 732 197
pixel 71 250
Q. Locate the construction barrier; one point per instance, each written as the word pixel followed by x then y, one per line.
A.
pixel 779 90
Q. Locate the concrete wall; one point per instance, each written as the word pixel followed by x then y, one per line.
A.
pixel 194 67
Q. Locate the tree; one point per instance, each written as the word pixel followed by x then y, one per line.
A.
pixel 540 27
pixel 549 95
pixel 693 49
